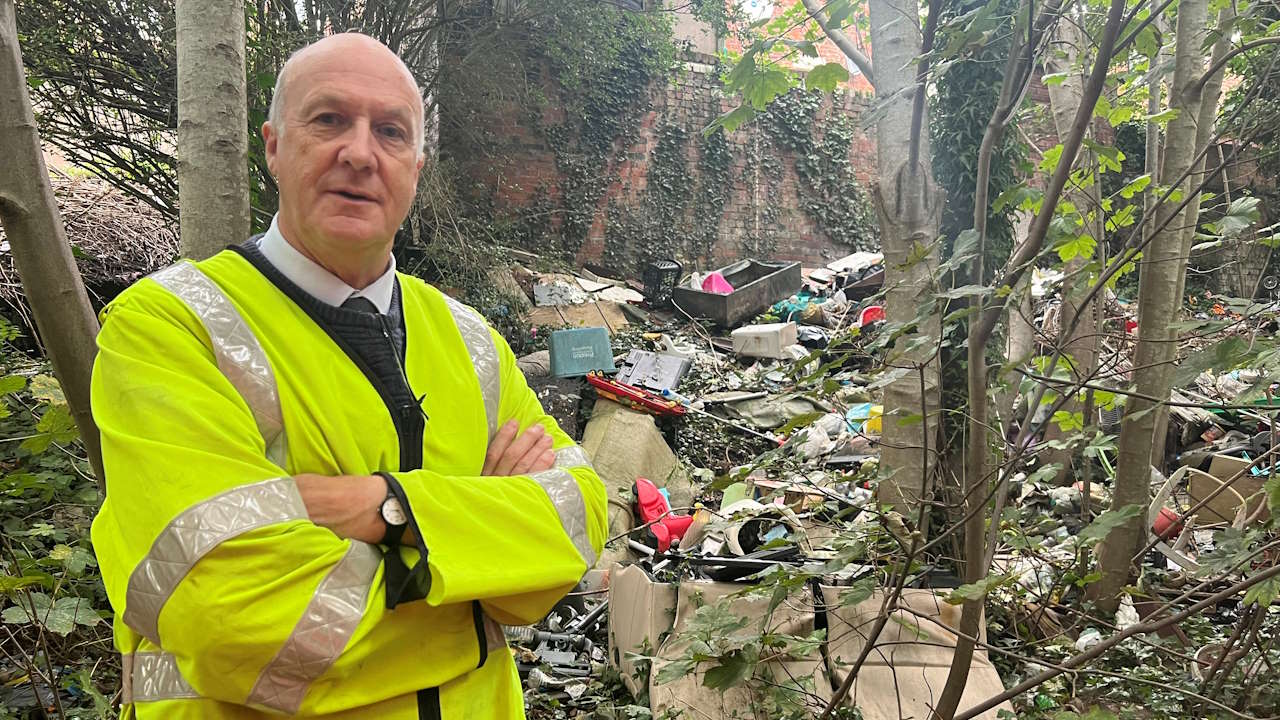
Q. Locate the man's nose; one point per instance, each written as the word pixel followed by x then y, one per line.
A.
pixel 358 150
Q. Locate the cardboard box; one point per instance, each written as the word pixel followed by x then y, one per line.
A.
pixel 687 693
pixel 641 614
pixel 905 673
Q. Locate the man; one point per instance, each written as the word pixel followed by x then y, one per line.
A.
pixel 327 483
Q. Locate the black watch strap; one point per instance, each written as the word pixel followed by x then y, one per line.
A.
pixel 403 584
pixel 394 531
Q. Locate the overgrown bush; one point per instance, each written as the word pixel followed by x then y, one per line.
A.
pixel 56 653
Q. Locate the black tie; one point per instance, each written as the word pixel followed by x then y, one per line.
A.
pixel 360 304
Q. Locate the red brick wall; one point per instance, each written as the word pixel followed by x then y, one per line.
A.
pixel 761 215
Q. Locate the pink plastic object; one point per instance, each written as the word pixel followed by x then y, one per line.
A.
pixel 715 283
pixel 869 315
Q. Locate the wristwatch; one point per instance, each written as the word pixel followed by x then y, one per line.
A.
pixel 393 515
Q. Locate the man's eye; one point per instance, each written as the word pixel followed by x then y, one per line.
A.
pixel 392 132
pixel 329 119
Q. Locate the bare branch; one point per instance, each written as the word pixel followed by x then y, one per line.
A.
pixel 841 40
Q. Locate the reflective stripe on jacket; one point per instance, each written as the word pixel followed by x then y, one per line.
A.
pixel 211 389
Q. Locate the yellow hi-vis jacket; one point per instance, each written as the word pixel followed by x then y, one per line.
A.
pixel 211 388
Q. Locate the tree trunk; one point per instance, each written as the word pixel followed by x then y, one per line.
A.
pixel 1162 265
pixel 1078 346
pixel 213 142
pixel 38 243
pixel 909 206
pixel 1205 121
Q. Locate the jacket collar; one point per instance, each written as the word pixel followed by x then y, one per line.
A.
pixel 318 282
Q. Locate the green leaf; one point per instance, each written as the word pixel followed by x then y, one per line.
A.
pixel 1120 115
pixel 965 291
pixel 826 77
pixel 741 72
pixel 675 670
pixel 1103 108
pixel 838 11
pixel 860 591
pixel 1104 399
pixel 9 583
pixel 1011 197
pixel 1108 521
pixel 805 47
pixel 1068 421
pixel 1145 42
pixel 60 617
pixel 1080 246
pixel 731 120
pixel 1228 353
pixel 1100 444
pixel 978 590
pixel 1046 473
pixel 1240 216
pixel 1049 159
pixel 799 422
pixel 55 425
pixel 1264 593
pixel 910 625
pixel 1135 186
pixel 1055 78
pixel 731 671
pixel 74 560
pixel 964 249
pixel 10 384
pixel 762 88
pixel 1164 116
pixel 1272 487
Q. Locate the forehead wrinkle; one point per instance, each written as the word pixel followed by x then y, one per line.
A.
pixel 396 109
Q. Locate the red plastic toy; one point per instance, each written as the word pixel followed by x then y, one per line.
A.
pixel 651 506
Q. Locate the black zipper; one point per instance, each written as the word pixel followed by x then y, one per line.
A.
pixel 410 452
pixel 412 417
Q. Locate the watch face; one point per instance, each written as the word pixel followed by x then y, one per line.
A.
pixel 392 512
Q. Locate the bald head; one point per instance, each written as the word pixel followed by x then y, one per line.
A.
pixel 305 60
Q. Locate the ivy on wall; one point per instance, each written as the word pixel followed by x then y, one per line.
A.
pixel 679 214
pixel 829 192
pixel 586 80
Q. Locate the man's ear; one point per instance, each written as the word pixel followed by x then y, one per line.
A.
pixel 269 139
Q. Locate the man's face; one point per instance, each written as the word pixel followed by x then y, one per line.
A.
pixel 346 160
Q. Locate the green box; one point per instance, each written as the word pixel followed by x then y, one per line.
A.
pixel 578 351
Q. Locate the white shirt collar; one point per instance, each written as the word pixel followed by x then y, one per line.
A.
pixel 318 282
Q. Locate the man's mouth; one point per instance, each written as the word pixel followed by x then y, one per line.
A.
pixel 353 195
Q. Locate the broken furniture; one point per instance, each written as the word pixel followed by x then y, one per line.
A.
pixel 757 285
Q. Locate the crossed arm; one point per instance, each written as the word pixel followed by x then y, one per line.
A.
pixel 349 504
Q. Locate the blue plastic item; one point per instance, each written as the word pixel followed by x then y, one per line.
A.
pixel 578 351
pixel 858 415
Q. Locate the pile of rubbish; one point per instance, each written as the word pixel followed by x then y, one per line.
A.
pixel 733 418
pixel 727 456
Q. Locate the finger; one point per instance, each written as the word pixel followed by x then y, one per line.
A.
pixel 498 446
pixel 530 462
pixel 518 448
pixel 546 461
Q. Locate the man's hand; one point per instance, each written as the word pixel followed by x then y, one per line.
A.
pixel 349 505
pixel 511 455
